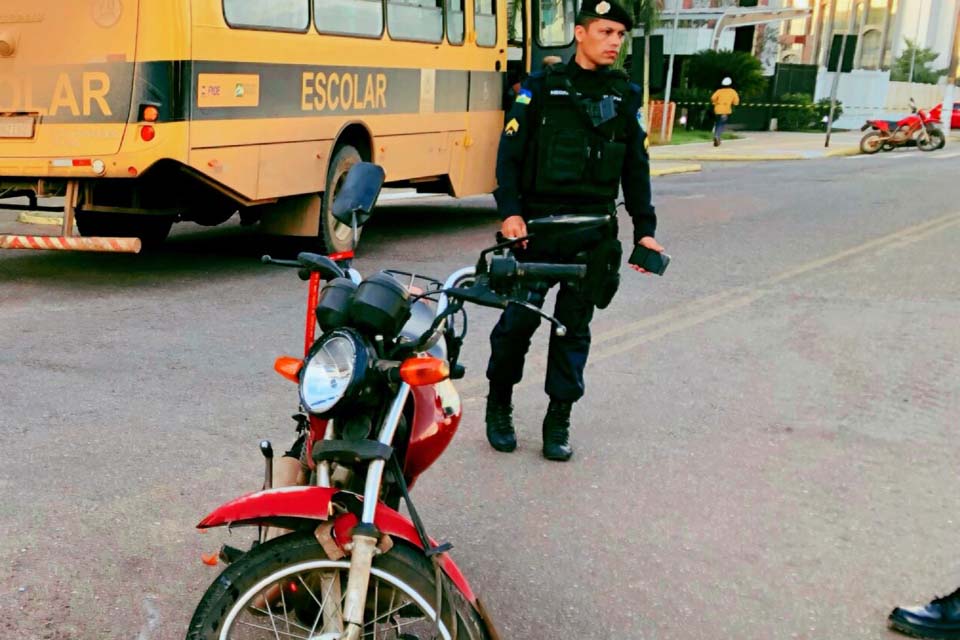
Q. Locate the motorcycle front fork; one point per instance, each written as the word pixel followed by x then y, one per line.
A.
pixel 363 545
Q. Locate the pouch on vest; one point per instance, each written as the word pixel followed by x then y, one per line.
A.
pixel 566 156
pixel 603 272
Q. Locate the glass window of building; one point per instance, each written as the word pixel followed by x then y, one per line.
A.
pixel 557 19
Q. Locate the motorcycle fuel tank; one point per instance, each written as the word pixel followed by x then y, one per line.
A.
pixel 436 416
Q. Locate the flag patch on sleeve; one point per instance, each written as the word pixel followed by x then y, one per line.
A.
pixel 524 96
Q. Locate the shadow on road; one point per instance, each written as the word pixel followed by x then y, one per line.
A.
pixel 230 250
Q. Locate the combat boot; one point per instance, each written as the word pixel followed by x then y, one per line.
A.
pixel 500 433
pixel 556 431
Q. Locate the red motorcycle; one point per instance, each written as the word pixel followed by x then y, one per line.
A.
pixel 377 409
pixel 919 129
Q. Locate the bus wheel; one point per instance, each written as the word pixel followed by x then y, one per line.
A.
pixel 152 230
pixel 335 235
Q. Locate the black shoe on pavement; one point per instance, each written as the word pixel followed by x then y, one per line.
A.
pixel 939 619
pixel 716 142
pixel 556 431
pixel 500 432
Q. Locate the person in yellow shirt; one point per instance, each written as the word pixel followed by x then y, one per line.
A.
pixel 724 100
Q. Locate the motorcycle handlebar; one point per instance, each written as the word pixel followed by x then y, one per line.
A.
pixel 545 271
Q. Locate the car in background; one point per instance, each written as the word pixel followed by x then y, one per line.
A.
pixel 937 114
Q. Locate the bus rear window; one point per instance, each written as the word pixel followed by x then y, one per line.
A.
pixel 455 21
pixel 415 20
pixel 485 22
pixel 285 15
pixel 349 17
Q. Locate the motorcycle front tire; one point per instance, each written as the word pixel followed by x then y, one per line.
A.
pixel 403 568
pixel 935 140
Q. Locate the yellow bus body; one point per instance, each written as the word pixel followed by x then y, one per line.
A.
pixel 245 118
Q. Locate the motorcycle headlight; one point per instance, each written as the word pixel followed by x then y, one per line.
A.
pixel 335 369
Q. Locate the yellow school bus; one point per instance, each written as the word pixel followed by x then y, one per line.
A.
pixel 146 112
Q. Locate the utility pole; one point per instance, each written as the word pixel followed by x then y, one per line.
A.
pixel 836 74
pixel 666 97
pixel 646 76
pixel 947 111
pixel 916 43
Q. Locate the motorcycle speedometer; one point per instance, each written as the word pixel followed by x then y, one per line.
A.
pixel 334 369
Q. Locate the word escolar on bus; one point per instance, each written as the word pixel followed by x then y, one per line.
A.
pixel 78 95
pixel 332 91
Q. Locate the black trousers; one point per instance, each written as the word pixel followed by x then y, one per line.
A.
pixel 567 357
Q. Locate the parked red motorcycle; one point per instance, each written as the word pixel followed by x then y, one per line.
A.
pixel 919 129
pixel 377 409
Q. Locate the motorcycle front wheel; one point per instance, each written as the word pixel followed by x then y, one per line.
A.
pixel 935 140
pixel 288 588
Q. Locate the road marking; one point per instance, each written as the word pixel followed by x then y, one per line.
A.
pixel 702 310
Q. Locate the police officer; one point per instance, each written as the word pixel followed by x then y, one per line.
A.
pixel 571 137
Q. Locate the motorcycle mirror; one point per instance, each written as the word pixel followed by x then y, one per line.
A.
pixel 353 204
pixel 323 265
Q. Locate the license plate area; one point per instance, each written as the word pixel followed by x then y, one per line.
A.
pixel 17 126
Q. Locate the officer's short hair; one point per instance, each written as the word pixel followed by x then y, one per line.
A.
pixel 585 21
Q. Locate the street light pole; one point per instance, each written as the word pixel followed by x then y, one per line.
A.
pixel 946 112
pixel 836 74
pixel 666 96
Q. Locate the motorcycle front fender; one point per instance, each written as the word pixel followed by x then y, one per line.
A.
pixel 290 507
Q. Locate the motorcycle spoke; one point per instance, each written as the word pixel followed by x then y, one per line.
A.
pixel 288 621
pixel 319 618
pixel 276 634
pixel 270 613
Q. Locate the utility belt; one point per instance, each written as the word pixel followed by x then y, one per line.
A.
pixel 589 239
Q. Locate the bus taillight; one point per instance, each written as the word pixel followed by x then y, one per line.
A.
pixel 147 133
pixel 150 113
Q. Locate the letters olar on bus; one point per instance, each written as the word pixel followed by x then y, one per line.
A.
pixel 74 96
pixel 343 91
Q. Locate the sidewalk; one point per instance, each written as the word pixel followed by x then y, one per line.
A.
pixel 762 145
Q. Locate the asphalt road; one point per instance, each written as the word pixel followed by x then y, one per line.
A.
pixel 767 448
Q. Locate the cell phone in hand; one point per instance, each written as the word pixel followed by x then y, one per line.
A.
pixel 649 260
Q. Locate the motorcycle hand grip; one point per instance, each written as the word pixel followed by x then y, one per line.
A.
pixel 544 271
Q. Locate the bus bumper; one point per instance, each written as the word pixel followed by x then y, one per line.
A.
pixel 66 241
pixel 71 243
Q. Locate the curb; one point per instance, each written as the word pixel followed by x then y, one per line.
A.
pixel 683 168
pixel 33 218
pixel 729 157
pixel 840 153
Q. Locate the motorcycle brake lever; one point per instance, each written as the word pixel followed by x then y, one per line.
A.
pixel 558 328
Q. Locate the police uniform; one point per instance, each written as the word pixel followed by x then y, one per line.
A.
pixel 571 138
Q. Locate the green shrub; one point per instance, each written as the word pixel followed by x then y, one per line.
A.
pixel 823 110
pixel 795 118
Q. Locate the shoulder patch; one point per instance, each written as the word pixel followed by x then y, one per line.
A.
pixel 512 127
pixel 524 97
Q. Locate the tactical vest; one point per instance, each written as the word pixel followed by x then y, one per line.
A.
pixel 581 143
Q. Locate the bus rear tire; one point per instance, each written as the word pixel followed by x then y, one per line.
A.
pixel 337 237
pixel 152 230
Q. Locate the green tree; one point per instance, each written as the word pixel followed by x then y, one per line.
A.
pixel 706 69
pixel 922 72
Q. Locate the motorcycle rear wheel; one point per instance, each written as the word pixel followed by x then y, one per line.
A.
pixel 871 143
pixel 400 605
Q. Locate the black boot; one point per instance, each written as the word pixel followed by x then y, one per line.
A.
pixel 939 619
pixel 500 433
pixel 556 431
